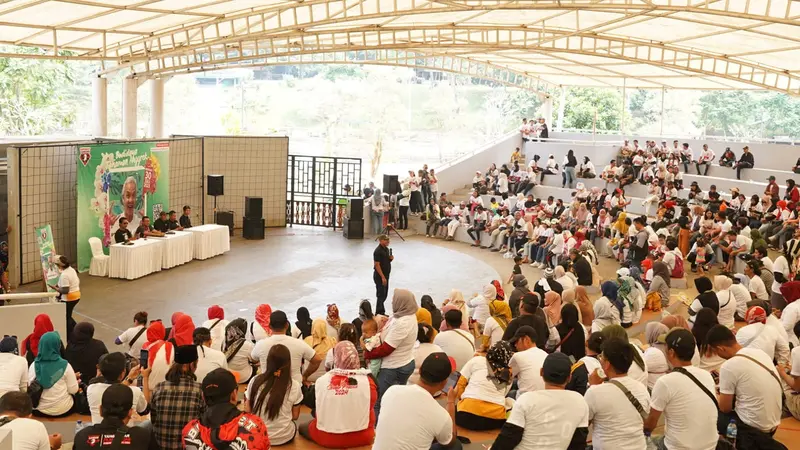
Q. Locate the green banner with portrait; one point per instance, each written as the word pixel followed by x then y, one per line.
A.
pixel 128 180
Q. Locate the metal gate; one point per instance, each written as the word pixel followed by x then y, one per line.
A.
pixel 318 187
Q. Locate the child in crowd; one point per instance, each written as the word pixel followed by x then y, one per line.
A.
pixel 370 340
pixel 517 270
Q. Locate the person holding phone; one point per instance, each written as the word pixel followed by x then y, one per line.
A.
pixel 382 263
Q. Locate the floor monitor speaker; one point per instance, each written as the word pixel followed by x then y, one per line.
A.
pixel 353 229
pixel 253 228
pixel 226 218
pixel 253 207
pixel 355 208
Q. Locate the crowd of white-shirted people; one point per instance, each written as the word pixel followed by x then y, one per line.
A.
pixel 541 364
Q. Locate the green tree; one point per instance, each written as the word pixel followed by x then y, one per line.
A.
pixel 582 104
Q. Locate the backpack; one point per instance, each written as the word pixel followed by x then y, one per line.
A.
pixel 677 271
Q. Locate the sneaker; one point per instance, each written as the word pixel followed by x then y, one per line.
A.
pixel 427 235
pixel 508 255
pixel 534 264
pixel 494 250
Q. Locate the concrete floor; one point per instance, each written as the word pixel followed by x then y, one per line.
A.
pixel 291 268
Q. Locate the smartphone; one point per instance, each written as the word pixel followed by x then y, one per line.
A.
pixel 143 358
pixel 452 380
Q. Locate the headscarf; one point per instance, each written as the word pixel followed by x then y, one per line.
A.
pixel 424 317
pixel 661 269
pixel 41 325
pixel 319 339
pixel 620 224
pixel 155 340
pixel 404 303
pixel 501 313
pixel 584 305
pixel 616 331
pixel 489 293
pixel 216 312
pixel 333 316
pixel 81 336
pixel 173 320
pixel 263 313
pixel 234 337
pixel 755 314
pixel 707 298
pixel 303 322
pixel 49 365
pixel 456 299
pixel 559 272
pixel 758 240
pixel 182 331
pixel 706 319
pixel 675 321
pixel 365 310
pixel 498 359
pixel 9 345
pixel 790 291
pixel 552 307
pixel 655 332
pixel 573 337
pixel 626 287
pixel 345 356
pixel 377 197
pixel 499 288
pixel 722 283
pixel 609 289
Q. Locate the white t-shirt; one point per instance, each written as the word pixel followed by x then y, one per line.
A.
pixel 134 350
pixel 401 334
pixel 298 349
pixel 458 344
pixel 789 317
pixel 217 333
pixel 13 373
pixel 69 277
pixel 94 394
pixel 617 423
pixel 636 372
pixel 209 359
pixel 549 418
pixel 159 370
pixel 765 338
pixel 782 266
pixel 742 296
pixel 758 395
pixel 657 365
pixel 410 420
pixel 476 371
pixel 796 362
pixel 258 332
pixel 527 367
pixel 422 351
pixel 691 416
pixel 757 287
pixel 57 399
pixel 282 428
pixel 493 330
pixel 27 434
pixel 241 361
pixel 727 307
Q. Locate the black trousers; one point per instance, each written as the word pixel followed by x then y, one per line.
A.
pixel 70 321
pixel 402 222
pixel 477 423
pixel 740 166
pixel 381 292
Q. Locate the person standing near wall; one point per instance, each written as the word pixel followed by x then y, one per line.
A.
pixel 382 263
pixel 69 290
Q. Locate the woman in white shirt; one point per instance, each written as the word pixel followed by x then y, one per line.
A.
pixel 276 397
pixel 567 280
pixel 499 317
pixel 638 370
pixel 655 357
pixel 69 289
pixel 237 350
pixel 606 312
pixel 13 368
pixel 727 301
pixel 485 381
pixel 216 324
pixel 423 348
pixel 208 358
pixel 56 376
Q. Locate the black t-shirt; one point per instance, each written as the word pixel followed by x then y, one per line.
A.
pixel 122 235
pixel 173 224
pixel 381 256
pixel 536 321
pixel 583 271
pixel 517 269
pixel 141 229
pixel 186 222
pixel 102 436
pixel 161 225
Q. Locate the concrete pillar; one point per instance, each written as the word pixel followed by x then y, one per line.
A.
pixel 99 106
pixel 624 105
pixel 562 102
pixel 129 107
pixel 547 111
pixel 156 108
pixel 661 122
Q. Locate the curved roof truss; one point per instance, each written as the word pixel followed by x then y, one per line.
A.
pixel 711 44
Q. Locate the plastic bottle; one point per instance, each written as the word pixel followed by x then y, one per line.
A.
pixel 78 426
pixel 730 433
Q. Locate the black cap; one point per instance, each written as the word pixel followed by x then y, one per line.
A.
pixel 771 178
pixel 680 339
pixel 278 320
pixel 186 354
pixel 556 368
pixel 436 368
pixel 218 386
pixel 529 298
pixel 523 331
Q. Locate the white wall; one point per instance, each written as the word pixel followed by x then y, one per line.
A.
pixel 458 174
pixel 17 320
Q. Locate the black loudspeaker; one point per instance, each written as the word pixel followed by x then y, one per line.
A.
pixel 391 185
pixel 353 229
pixel 215 185
pixel 253 228
pixel 355 208
pixel 226 218
pixel 253 208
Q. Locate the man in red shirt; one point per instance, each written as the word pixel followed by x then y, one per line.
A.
pixel 223 426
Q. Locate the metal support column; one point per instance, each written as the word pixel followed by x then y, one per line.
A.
pixel 624 105
pixel 661 132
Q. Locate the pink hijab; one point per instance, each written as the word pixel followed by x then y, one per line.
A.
pixel 552 307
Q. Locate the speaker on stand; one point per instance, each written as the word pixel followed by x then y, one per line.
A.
pixel 215 186
pixel 391 185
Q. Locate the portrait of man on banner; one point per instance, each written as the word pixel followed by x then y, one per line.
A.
pixel 127 196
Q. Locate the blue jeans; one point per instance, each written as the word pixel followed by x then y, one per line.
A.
pixel 390 377
pixel 377 221
pixel 570 177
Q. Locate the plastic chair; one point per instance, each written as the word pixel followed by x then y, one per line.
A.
pixel 99 264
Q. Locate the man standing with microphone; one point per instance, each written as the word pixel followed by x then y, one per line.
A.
pixel 382 262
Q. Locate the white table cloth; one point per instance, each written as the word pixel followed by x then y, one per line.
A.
pixel 137 260
pixel 210 240
pixel 178 249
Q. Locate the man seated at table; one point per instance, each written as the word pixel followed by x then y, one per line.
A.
pixel 145 229
pixel 123 234
pixel 173 221
pixel 161 224
pixel 186 220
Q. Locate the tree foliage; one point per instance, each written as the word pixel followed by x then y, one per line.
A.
pixel 746 114
pixel 582 103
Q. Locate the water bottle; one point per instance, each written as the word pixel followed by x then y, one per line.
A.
pixel 730 433
pixel 78 426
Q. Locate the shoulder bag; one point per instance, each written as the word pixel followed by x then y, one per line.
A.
pixel 135 338
pixel 631 398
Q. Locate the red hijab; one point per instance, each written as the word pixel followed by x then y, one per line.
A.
pixel 41 325
pixel 500 294
pixel 790 291
pixel 216 312
pixel 182 331
pixel 155 340
pixel 262 317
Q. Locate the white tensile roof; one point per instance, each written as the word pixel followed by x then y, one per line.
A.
pixel 712 44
